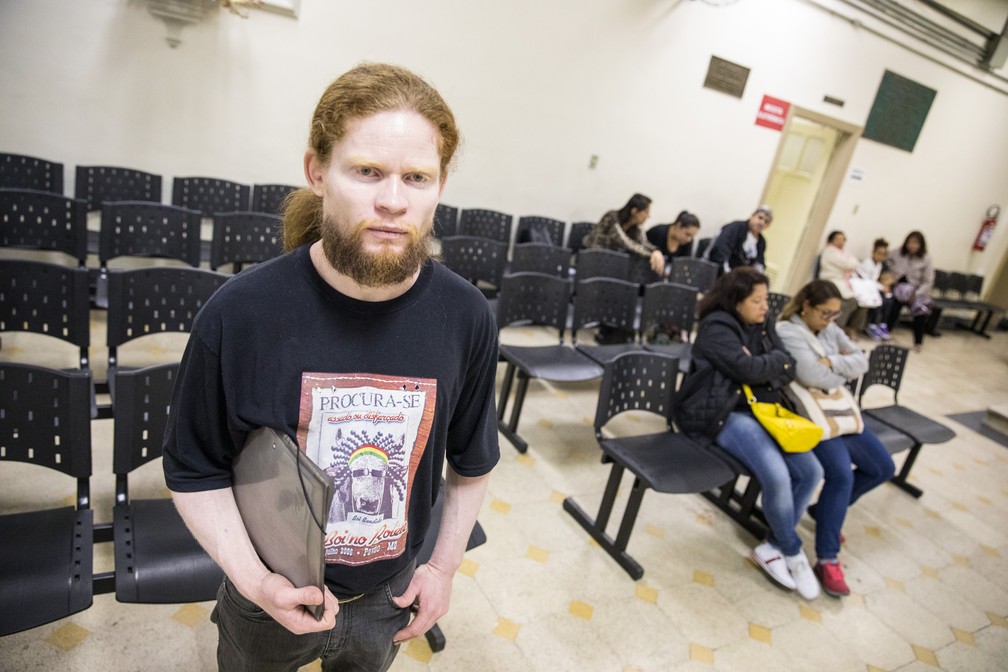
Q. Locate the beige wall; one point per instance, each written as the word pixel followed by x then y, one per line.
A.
pixel 538 88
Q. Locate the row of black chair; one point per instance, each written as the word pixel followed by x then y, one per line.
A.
pixel 97 184
pixel 955 291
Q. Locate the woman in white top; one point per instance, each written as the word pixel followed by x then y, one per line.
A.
pixel 837 265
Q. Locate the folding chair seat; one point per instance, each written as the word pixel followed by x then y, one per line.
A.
pixel 698 273
pixel 886 364
pixel 18 171
pixel 553 228
pixel 669 311
pixel 541 258
pixel 97 184
pixel 596 262
pixel 143 229
pixel 536 299
pixel 479 260
pixel 486 224
pixel 46 555
pixel 575 237
pixel 666 462
pixel 609 302
pixel 445 221
pixel 245 238
pixel 157 560
pixel 40 220
pixel 269 198
pixel 210 195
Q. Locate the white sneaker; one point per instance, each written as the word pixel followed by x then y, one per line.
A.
pixel 801 573
pixel 770 559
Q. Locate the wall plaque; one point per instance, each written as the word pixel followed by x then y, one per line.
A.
pixel 898 113
pixel 726 77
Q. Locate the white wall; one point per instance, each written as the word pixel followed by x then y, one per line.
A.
pixel 538 87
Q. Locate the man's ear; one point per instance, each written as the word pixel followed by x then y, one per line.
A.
pixel 313 170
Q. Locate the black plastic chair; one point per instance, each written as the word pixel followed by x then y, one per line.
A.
pixel 669 310
pixel 40 220
pixel 479 260
pixel 701 248
pixel 142 229
pixel 578 230
pixel 554 228
pixel 666 462
pixel 269 198
pixel 600 263
pixel 18 171
pixel 698 273
pixel 777 302
pixel 157 560
pixel 445 221
pixel 46 556
pixel 540 258
pixel 885 367
pixel 210 195
pixel 606 302
pixel 486 224
pixel 536 299
pixel 97 184
pixel 47 299
pixel 245 238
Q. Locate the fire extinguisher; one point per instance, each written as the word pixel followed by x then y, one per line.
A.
pixel 987 228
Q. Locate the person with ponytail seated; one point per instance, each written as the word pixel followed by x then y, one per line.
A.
pixel 825 359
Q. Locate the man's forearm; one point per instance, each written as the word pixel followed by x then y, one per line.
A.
pixel 463 498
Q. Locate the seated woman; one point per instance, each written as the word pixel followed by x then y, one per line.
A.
pixel 825 358
pixel 736 344
pixel 914 279
pixel 837 265
pixel 675 239
pixel 741 243
pixel 621 230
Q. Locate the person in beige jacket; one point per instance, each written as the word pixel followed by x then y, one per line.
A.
pixel 837 265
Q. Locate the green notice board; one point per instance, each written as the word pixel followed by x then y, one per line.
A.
pixel 898 113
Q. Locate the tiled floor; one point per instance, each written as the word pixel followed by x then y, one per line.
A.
pixel 929 577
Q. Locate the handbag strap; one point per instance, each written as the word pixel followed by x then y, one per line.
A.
pixel 817 347
pixel 748 394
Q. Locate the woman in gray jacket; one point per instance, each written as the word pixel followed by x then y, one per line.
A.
pixel 914 280
pixel 825 358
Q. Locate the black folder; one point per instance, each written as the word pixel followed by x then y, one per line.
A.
pixel 284 500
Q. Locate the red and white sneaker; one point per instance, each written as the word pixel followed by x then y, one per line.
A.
pixel 830 575
pixel 769 558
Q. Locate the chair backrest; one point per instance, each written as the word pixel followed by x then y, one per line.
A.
pixel 535 229
pixel 143 229
pixel 885 367
pixel 40 220
pixel 475 258
pixel 942 282
pixel 486 224
pixel 445 220
pixel 668 306
pixel 45 419
pixel 694 272
pixel 534 299
pixel 600 263
pixel 575 237
pixel 637 381
pixel 607 301
pixel 148 301
pixel 269 198
pixel 703 244
pixel 141 404
pixel 29 172
pixel 210 195
pixel 541 258
pixel 245 237
pixel 97 184
pixel 47 299
pixel 777 302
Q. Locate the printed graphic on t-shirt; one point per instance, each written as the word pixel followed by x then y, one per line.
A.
pixel 369 433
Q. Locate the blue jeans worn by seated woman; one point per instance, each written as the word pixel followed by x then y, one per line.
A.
pixel 872 466
pixel 787 480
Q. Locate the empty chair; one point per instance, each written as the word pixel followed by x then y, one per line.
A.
pixel 245 238
pixel 445 220
pixel 606 302
pixel 667 320
pixel 40 220
pixel 777 302
pixel 48 299
pixel 664 461
pixel 157 560
pixel 575 237
pixel 97 184
pixel 479 260
pixel 885 367
pixel 698 273
pixel 140 229
pixel 536 299
pixel 534 229
pixel 46 555
pixel 540 258
pixel 599 263
pixel 18 171
pixel 210 195
pixel 485 224
pixel 269 198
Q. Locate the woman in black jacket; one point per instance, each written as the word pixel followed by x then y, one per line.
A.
pixel 737 344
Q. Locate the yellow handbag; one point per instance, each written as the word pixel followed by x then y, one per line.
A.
pixel 793 433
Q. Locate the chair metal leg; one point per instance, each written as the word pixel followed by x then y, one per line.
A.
pixel 509 374
pixel 900 479
pixel 510 430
